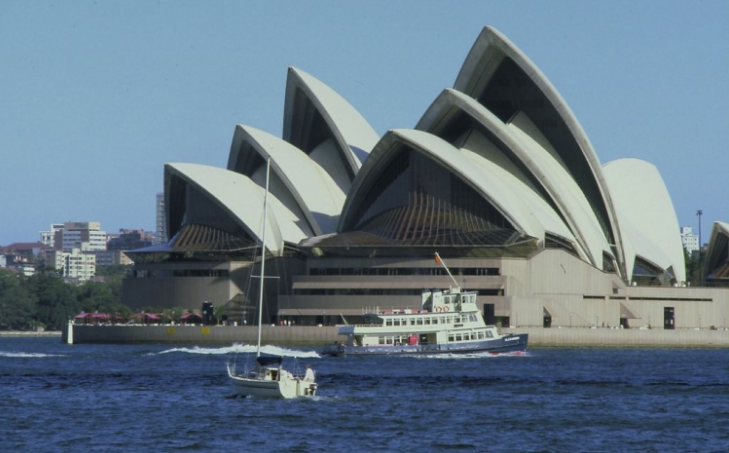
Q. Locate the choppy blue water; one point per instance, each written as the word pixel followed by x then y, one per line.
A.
pixel 132 398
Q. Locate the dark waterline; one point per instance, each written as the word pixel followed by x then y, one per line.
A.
pixel 64 398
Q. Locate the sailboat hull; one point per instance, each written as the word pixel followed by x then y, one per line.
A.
pixel 286 387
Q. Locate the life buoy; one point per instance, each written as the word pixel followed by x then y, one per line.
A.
pixel 446 308
pixel 438 309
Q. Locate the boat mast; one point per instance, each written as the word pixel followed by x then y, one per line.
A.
pixel 263 259
pixel 440 261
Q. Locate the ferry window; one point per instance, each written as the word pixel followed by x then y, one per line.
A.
pixel 381 340
pixel 458 337
pixel 412 321
pixel 435 320
pixel 480 336
pixel 450 337
pixel 472 318
pixel 420 321
pixel 388 322
pixel 427 321
pixel 397 322
pixel 489 335
pixel 388 340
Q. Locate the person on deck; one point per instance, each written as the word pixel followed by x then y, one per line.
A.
pixel 309 376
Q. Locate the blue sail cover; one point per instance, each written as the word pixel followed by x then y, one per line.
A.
pixel 268 360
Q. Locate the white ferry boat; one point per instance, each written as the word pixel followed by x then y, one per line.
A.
pixel 448 321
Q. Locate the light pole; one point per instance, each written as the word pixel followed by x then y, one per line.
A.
pixel 699 213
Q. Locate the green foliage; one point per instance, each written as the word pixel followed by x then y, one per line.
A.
pixel 57 301
pixel 116 271
pixel 17 304
pixel 693 267
pixel 45 300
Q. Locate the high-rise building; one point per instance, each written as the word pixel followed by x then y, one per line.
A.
pixel 48 237
pixel 161 235
pixel 85 236
pixel 689 240
pixel 74 264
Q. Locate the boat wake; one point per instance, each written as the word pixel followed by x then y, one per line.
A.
pixel 473 355
pixel 240 348
pixel 31 355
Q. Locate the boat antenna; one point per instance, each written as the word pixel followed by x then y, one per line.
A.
pixel 440 261
pixel 263 259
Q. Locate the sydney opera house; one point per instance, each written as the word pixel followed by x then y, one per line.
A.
pixel 497 176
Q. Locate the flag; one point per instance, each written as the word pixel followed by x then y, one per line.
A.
pixel 437 259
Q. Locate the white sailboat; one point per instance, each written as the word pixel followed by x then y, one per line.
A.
pixel 269 378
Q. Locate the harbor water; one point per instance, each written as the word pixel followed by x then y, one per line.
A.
pixel 143 398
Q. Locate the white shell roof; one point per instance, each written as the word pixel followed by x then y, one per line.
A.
pixel 718 244
pixel 571 197
pixel 572 230
pixel 490 48
pixel 355 136
pixel 647 215
pixel 243 199
pixel 509 204
pixel 311 187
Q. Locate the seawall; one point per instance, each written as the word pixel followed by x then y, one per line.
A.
pixel 624 338
pixel 317 336
pixel 296 335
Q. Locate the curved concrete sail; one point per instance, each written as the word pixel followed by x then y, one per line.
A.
pixel 298 181
pixel 647 214
pixel 506 82
pixel 457 117
pixel 314 114
pixel 717 254
pixel 240 198
pixel 491 190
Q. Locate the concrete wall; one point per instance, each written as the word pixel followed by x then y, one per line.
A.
pixel 637 338
pixel 185 292
pixel 575 293
pixel 202 335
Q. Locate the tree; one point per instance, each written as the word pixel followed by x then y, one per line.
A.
pixel 17 304
pixel 56 303
pixel 94 296
pixel 693 267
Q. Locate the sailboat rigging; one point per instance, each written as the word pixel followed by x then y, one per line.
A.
pixel 269 378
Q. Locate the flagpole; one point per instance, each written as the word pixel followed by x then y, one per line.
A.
pixel 440 261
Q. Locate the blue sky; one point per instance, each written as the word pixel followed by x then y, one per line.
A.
pixel 95 97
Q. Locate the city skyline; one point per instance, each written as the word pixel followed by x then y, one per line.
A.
pixel 91 118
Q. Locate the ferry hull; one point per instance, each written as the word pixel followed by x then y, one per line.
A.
pixel 506 344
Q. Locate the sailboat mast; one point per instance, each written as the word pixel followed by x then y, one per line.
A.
pixel 263 259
